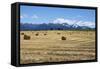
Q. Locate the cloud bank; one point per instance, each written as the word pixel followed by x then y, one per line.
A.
pixel 27 16
pixel 61 20
pixel 78 22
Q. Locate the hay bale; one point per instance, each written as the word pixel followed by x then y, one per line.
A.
pixel 37 34
pixel 22 33
pixel 26 37
pixel 45 34
pixel 63 38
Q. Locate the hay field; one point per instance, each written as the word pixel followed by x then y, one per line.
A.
pixel 48 46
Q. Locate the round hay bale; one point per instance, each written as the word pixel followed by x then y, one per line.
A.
pixel 26 37
pixel 63 38
pixel 37 34
pixel 22 33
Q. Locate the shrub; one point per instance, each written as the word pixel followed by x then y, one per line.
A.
pixel 70 33
pixel 26 37
pixel 58 33
pixel 59 29
pixel 32 32
pixel 51 28
pixel 45 34
pixel 63 38
pixel 50 59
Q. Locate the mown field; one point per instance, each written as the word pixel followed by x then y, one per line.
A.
pixel 48 46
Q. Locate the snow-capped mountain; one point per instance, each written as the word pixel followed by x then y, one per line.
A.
pixel 53 26
pixel 75 25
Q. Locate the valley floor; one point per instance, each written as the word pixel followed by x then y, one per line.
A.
pixel 48 46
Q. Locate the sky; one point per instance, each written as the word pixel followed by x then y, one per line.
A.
pixel 40 14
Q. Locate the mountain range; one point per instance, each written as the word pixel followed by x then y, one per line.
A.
pixel 53 26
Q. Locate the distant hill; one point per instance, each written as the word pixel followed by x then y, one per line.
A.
pixel 53 26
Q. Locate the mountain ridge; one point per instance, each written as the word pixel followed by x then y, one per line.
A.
pixel 53 26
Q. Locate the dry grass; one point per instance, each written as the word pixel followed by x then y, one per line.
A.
pixel 79 45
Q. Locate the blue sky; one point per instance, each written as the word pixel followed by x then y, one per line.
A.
pixel 37 15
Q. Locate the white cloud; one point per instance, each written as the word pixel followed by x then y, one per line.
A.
pixel 24 16
pixel 62 20
pixel 21 16
pixel 78 22
pixel 27 16
pixel 35 16
pixel 86 23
